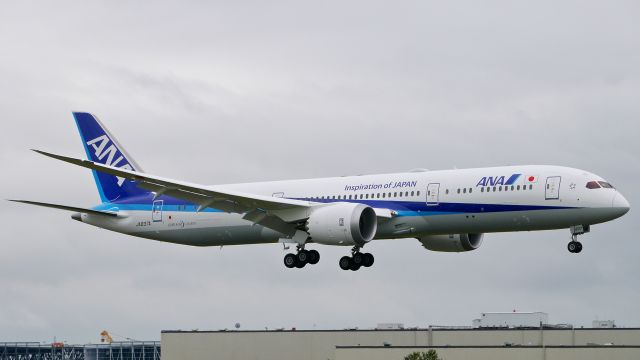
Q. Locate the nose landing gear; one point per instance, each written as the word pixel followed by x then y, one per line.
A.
pixel 574 245
pixel 301 258
pixel 356 260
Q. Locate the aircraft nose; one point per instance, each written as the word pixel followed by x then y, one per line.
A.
pixel 620 203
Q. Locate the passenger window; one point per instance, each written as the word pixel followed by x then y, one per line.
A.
pixel 494 189
pixel 366 196
pixel 447 192
pixel 518 187
pixel 499 188
pixel 481 189
pixel 389 195
pixel 349 197
pixel 412 193
pixel 512 187
pixel 383 195
pixel 458 191
pixel 464 191
pixel 361 196
pixel 470 190
pixel 395 194
pixel 530 187
pixel 400 193
pixel 418 193
pixel 378 195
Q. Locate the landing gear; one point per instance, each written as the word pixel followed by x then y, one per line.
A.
pixel 575 246
pixel 301 258
pixel 356 260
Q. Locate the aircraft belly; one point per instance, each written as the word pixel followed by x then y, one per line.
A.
pixel 412 226
pixel 214 236
pixel 189 228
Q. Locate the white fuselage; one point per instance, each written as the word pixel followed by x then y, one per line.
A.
pixel 483 200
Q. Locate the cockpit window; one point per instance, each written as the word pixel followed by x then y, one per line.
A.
pixel 605 185
pixel 593 185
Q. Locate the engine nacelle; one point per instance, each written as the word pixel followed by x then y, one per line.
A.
pixel 452 243
pixel 342 224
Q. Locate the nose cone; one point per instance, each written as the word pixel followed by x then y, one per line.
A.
pixel 620 204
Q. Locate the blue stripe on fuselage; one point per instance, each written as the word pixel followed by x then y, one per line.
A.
pixel 403 208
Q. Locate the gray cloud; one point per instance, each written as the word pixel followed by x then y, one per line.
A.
pixel 216 92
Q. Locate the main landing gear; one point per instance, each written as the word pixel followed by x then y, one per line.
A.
pixel 356 260
pixel 574 245
pixel 301 258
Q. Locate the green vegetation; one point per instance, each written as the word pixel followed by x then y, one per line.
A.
pixel 429 355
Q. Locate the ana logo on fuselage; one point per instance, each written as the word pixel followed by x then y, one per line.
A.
pixel 103 148
pixel 498 180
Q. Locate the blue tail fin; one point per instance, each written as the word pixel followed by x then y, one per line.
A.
pixel 103 148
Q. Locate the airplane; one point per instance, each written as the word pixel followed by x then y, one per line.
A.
pixel 446 210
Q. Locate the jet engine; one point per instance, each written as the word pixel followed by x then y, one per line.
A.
pixel 342 224
pixel 452 243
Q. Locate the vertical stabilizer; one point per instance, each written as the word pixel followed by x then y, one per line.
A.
pixel 102 147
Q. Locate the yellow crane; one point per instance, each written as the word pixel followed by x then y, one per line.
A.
pixel 105 337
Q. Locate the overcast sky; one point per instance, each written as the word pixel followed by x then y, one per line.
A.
pixel 223 92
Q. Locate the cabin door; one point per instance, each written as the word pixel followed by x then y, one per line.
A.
pixel 552 188
pixel 433 194
pixel 156 210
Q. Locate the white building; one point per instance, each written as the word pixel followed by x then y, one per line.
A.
pixel 513 319
pixel 604 324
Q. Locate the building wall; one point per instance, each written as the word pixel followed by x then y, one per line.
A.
pixel 321 345
pixel 501 353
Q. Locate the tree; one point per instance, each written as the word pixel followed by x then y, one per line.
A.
pixel 429 355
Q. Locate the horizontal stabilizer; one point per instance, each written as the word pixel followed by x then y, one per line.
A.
pixel 69 208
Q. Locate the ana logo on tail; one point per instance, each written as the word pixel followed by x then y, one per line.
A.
pixel 103 148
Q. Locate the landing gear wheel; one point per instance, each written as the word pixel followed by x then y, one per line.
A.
pixel 345 263
pixel 368 260
pixel 290 260
pixel 579 248
pixel 355 267
pixel 358 259
pixel 300 264
pixel 303 256
pixel 574 247
pixel 313 257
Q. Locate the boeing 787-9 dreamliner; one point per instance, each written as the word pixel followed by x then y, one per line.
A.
pixel 446 210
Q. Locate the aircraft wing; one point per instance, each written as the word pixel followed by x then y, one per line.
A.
pixel 257 208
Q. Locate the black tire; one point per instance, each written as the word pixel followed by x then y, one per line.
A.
pixel 579 247
pixel 368 260
pixel 303 256
pixel 290 260
pixel 345 263
pixel 357 258
pixel 313 257
pixel 572 246
pixel 355 267
pixel 300 264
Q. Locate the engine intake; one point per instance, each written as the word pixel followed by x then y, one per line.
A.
pixel 342 224
pixel 452 243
